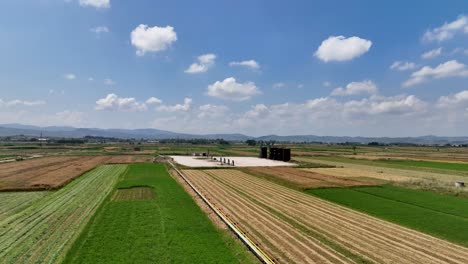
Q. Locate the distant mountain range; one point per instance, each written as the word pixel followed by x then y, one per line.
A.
pixel 156 134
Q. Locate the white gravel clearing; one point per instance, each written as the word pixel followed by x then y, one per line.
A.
pixel 193 161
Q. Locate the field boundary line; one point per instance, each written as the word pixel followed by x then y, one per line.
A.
pixel 258 252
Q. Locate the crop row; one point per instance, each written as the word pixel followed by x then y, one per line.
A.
pixel 168 229
pixel 43 232
pixel 374 240
pixel 16 201
pixel 440 215
pixel 280 239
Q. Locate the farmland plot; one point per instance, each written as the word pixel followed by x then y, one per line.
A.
pixel 12 202
pixel 440 215
pixel 44 231
pixel 52 172
pixel 359 173
pixel 305 179
pixel 167 228
pixel 296 227
pixel 380 172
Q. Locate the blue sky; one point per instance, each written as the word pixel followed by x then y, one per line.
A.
pixel 359 68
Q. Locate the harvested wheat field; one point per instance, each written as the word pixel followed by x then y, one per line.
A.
pixel 51 172
pixel 356 173
pixel 390 172
pixel 305 179
pixel 295 227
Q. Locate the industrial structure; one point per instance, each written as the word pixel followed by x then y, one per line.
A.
pixel 282 154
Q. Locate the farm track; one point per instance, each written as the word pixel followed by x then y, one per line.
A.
pixel 43 232
pixel 371 238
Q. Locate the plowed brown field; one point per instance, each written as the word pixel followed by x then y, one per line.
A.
pixel 296 227
pixel 306 179
pixel 52 172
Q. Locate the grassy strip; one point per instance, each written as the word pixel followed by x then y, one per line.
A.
pixel 429 200
pixel 13 202
pixel 439 215
pixel 426 166
pixel 169 229
pixel 429 164
pixel 44 231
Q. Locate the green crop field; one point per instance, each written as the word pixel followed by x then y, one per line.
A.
pixel 171 228
pixel 414 165
pixel 429 164
pixel 44 231
pixel 13 202
pixel 439 215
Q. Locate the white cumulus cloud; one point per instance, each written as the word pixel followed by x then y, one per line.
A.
pixel 178 107
pixel 340 48
pixel 454 100
pixel 152 39
pixel 432 53
pixel 212 111
pixel 251 64
pixel 17 102
pixel 354 88
pixel 153 100
pixel 230 89
pixel 204 62
pixel 378 105
pixel 67 118
pixel 403 65
pixel 447 30
pixel 328 114
pixel 448 69
pixel 114 103
pixel 95 3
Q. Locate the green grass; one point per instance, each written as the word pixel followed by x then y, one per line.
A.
pixel 439 215
pixel 429 164
pixel 169 229
pixel 13 202
pixel 44 231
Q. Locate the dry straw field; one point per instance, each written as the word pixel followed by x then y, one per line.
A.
pixel 349 173
pixel 298 228
pixel 53 172
pixel 306 179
